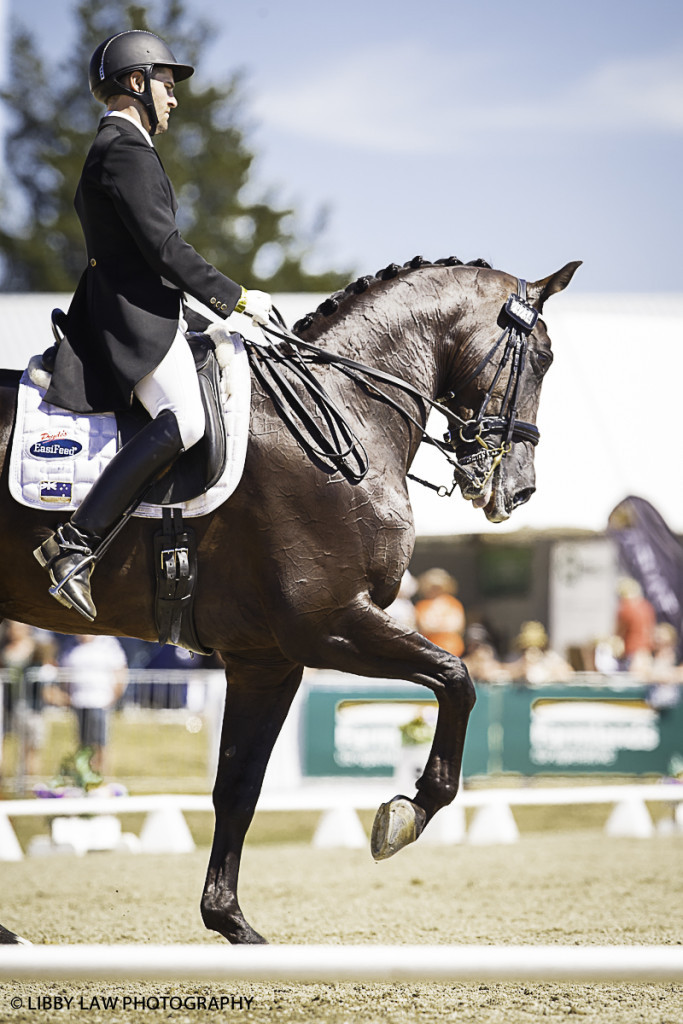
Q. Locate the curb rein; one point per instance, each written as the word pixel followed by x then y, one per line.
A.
pixel 343 448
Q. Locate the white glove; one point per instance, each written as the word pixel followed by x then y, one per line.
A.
pixel 237 323
pixel 258 306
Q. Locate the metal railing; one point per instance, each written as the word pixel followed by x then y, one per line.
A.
pixel 166 724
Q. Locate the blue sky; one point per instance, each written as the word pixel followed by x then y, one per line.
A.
pixel 529 133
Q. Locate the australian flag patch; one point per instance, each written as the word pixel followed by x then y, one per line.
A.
pixel 56 491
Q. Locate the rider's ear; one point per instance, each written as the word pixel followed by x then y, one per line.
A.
pixel 539 291
pixel 136 81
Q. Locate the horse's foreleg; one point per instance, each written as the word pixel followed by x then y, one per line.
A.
pixel 362 639
pixel 257 701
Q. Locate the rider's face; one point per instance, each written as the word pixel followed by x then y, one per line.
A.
pixel 162 85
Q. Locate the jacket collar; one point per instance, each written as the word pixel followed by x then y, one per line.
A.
pixel 127 123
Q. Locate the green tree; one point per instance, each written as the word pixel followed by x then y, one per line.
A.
pixel 206 157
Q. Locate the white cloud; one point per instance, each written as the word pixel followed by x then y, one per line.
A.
pixel 383 98
pixel 407 98
pixel 640 94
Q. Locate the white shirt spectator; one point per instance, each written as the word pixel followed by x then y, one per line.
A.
pixel 96 666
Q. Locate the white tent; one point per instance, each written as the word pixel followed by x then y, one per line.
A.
pixel 609 415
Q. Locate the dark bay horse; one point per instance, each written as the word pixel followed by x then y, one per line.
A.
pixel 296 568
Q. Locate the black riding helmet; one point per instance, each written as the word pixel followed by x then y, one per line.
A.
pixel 133 50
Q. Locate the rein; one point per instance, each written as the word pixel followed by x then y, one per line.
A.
pixel 465 445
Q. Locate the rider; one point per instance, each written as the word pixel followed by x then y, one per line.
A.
pixel 126 322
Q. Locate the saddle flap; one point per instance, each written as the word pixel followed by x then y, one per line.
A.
pixel 198 469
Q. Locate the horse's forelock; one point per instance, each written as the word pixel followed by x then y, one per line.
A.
pixel 344 300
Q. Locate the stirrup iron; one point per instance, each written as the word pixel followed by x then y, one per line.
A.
pixel 83 564
pixel 74 549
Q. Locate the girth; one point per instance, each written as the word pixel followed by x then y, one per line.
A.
pixel 175 560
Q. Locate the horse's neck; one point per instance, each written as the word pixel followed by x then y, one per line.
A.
pixel 395 339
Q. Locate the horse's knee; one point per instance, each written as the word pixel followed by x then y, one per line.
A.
pixel 460 687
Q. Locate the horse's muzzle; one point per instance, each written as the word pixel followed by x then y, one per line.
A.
pixel 506 495
pixel 522 496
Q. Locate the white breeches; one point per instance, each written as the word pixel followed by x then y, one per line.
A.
pixel 173 385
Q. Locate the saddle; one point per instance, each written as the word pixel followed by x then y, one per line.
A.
pixel 195 471
pixel 199 481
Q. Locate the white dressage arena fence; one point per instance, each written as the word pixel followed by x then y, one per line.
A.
pixel 329 964
pixel 165 830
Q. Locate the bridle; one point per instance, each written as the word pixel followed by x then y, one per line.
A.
pixel 473 447
pixel 481 443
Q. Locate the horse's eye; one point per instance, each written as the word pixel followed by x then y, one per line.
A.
pixel 542 360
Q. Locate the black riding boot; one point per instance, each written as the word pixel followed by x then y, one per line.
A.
pixel 124 480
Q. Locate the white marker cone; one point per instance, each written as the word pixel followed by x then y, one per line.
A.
pixel 493 824
pixel 630 818
pixel 340 827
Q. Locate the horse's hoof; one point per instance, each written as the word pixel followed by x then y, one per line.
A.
pixel 234 928
pixel 246 936
pixel 8 938
pixel 396 824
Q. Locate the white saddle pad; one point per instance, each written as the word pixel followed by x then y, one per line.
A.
pixel 57 455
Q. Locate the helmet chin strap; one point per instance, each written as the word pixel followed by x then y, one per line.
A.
pixel 145 97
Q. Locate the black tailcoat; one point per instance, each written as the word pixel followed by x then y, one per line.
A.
pixel 124 314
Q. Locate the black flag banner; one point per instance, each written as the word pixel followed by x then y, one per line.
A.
pixel 653 555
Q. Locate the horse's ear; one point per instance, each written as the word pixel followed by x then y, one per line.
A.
pixel 539 291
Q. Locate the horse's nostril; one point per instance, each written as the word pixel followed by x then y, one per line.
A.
pixel 523 495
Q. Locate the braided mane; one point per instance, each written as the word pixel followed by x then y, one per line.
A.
pixel 341 299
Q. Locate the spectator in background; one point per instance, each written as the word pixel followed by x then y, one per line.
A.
pixel 537 663
pixel 480 656
pixel 23 647
pixel 439 615
pixel 660 666
pixel 636 620
pixel 98 677
pixel 662 671
pixel 607 654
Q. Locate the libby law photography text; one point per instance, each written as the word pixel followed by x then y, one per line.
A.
pixel 192 1001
